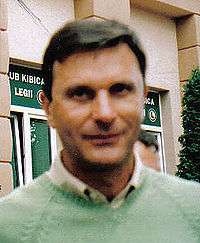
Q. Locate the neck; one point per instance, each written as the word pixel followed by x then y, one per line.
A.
pixel 110 182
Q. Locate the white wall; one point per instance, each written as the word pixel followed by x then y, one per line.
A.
pixel 27 37
pixel 158 37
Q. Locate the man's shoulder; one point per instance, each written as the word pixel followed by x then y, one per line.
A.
pixel 26 200
pixel 39 184
pixel 184 194
pixel 22 210
pixel 173 185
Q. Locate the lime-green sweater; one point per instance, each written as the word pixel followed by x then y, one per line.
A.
pixel 164 209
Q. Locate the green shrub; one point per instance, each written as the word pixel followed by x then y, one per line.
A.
pixel 189 167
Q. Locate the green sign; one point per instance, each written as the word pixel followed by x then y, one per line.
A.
pixel 26 86
pixel 152 110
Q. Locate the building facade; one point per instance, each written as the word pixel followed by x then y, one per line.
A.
pixel 170 34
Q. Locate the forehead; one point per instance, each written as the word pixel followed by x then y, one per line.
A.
pixel 112 63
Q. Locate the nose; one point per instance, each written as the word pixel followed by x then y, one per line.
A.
pixel 103 109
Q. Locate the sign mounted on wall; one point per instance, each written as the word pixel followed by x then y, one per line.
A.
pixel 152 110
pixel 26 86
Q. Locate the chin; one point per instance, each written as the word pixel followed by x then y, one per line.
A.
pixel 100 165
pixel 106 160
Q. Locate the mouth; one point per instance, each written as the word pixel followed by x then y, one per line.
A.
pixel 102 139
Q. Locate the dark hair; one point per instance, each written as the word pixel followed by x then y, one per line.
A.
pixel 87 35
pixel 148 139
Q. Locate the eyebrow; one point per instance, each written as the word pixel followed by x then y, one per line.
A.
pixel 71 90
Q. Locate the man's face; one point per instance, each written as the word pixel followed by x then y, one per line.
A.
pixel 97 105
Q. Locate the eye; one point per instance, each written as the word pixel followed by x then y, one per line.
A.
pixel 81 93
pixel 121 89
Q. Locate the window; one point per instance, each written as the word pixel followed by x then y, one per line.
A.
pixel 159 140
pixel 40 146
pixel 17 152
pixel 33 146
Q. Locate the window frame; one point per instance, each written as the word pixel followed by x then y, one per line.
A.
pixel 27 115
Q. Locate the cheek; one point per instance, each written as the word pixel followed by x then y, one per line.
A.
pixel 72 116
pixel 131 111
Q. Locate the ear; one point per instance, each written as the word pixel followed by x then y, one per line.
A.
pixel 47 107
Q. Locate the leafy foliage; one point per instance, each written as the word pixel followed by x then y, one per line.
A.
pixel 189 167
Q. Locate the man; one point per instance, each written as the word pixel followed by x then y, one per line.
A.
pixel 147 149
pixel 97 190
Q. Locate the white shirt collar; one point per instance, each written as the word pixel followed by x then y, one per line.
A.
pixel 61 177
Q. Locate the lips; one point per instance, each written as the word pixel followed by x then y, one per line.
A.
pixel 102 139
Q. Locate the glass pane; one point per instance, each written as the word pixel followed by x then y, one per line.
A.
pixel 158 139
pixel 40 146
